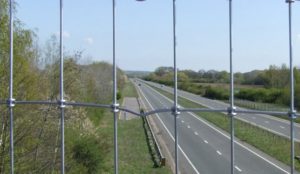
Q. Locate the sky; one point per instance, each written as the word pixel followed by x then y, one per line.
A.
pixel 144 32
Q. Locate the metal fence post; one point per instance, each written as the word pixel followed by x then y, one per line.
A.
pixel 231 109
pixel 115 106
pixel 292 107
pixel 11 100
pixel 62 101
pixel 175 109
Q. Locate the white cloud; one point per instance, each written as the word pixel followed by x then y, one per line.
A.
pixel 65 34
pixel 298 36
pixel 89 40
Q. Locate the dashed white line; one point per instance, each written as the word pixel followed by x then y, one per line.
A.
pixel 179 147
pixel 282 127
pixel 219 152
pixel 196 133
pixel 205 122
pixel 237 168
pixel 188 126
pixel 182 121
pixel 205 141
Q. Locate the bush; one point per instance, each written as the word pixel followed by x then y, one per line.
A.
pixel 262 95
pixel 216 93
pixel 119 95
pixel 86 152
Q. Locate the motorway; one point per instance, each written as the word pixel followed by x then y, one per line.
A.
pixel 273 124
pixel 205 148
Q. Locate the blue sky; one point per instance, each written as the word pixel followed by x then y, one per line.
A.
pixel 144 31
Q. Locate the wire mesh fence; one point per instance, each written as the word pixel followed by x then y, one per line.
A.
pixel 62 103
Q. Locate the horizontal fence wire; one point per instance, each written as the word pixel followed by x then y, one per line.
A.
pixel 156 111
pixel 115 107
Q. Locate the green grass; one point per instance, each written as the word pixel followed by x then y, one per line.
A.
pixel 134 155
pixel 271 144
pixel 264 107
pixel 227 85
pixel 134 152
pixel 260 106
pixel 129 90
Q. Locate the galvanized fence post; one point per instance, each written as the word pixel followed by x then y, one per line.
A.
pixel 11 100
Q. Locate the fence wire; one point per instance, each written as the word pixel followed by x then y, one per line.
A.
pixel 175 110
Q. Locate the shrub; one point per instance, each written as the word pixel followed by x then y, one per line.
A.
pixel 216 93
pixel 86 152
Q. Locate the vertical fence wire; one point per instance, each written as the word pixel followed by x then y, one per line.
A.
pixel 61 102
pixel 11 100
pixel 175 109
pixel 231 107
pixel 292 108
pixel 115 104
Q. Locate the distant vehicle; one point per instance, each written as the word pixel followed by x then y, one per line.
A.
pixel 162 85
pixel 139 84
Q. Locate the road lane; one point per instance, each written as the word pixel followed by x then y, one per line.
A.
pixel 267 122
pixel 208 150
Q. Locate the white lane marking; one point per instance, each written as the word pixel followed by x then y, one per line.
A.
pixel 193 95
pixel 240 118
pixel 196 133
pixel 182 121
pixel 237 168
pixel 184 154
pixel 282 127
pixel 267 122
pixel 188 126
pixel 238 143
pixel 267 129
pixel 205 141
pixel 219 152
pixel 243 146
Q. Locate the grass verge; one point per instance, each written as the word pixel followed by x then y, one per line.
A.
pixel 134 155
pixel 271 144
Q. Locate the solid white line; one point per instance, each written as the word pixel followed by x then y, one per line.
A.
pixel 267 129
pixel 262 115
pixel 237 168
pixel 184 154
pixel 205 141
pixel 196 133
pixel 219 152
pixel 208 124
pixel 273 164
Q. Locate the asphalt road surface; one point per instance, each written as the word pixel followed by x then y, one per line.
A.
pixel 273 124
pixel 205 148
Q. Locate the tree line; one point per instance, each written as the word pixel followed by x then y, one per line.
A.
pixel 37 127
pixel 271 85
